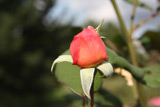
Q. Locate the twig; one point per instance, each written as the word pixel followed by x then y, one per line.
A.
pixel 126 34
pixel 145 21
pixel 122 25
pixel 130 47
pixel 132 17
pixel 110 44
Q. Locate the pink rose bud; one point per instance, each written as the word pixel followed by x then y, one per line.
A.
pixel 87 48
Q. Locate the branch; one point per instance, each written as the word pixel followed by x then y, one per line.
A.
pixel 122 25
pixel 133 15
pixel 145 21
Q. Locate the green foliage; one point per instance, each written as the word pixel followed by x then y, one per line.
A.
pixel 69 75
pixel 118 61
pixel 152 76
pixel 152 80
pixel 150 40
pixel 112 33
pixel 106 99
pixel 152 68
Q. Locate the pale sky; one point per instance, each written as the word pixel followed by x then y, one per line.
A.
pixel 80 11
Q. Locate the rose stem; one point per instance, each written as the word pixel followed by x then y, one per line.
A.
pixel 132 52
pixel 91 101
pixel 83 99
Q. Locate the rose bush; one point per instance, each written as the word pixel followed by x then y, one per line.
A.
pixel 87 49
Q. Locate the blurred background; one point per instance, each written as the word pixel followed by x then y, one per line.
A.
pixel 34 32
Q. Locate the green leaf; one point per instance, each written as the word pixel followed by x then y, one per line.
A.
pixel 87 77
pixel 152 68
pixel 141 4
pixel 152 80
pixel 69 75
pixel 118 61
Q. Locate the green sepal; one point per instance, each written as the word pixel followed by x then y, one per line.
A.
pixel 99 27
pixel 106 68
pixel 62 58
pixel 87 78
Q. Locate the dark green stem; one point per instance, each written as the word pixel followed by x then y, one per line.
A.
pixel 91 101
pixel 133 15
pixel 126 34
pixel 142 100
pixel 132 52
pixel 142 95
pixel 133 56
pixel 83 99
pixel 122 25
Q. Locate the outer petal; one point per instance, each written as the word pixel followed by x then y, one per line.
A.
pixel 87 76
pixel 92 29
pixel 75 48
